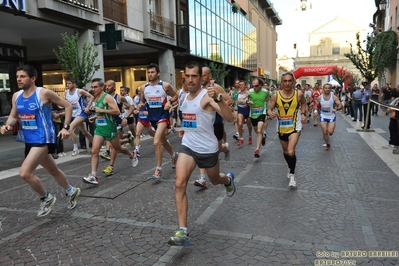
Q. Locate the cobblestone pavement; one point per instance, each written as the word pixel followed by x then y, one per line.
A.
pixel 347 200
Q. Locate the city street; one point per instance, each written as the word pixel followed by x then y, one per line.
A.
pixel 345 206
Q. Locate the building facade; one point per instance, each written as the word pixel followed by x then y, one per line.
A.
pixel 168 33
pixel 326 46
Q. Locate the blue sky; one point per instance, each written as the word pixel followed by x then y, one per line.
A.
pixel 297 23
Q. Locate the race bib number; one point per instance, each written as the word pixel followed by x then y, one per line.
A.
pixel 101 121
pixel 75 107
pixel 257 111
pixel 285 121
pixel 28 121
pixel 326 110
pixel 189 122
pixel 155 102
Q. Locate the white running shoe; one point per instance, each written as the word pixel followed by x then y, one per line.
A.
pixel 292 183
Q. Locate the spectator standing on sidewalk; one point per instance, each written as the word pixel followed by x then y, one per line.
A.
pixel 375 96
pixel 386 95
pixel 357 104
pixel 32 105
pixel 365 98
pixel 58 121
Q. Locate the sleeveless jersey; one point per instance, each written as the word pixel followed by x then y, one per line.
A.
pixel 130 101
pixel 182 95
pixel 36 118
pixel 198 126
pixel 326 106
pixel 315 94
pixel 259 102
pixel 105 123
pixel 288 115
pixel 156 98
pixel 76 101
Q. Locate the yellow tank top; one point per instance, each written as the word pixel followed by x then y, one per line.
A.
pixel 287 112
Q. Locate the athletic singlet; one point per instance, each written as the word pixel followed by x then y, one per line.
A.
pixel 315 95
pixel 126 110
pixel 182 95
pixel 35 118
pixel 326 106
pixel 198 126
pixel 142 115
pixel 105 122
pixel 259 102
pixel 288 115
pixel 156 98
pixel 76 101
pixel 239 97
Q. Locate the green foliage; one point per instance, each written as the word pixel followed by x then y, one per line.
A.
pixel 385 52
pixel 362 57
pixel 341 75
pixel 235 7
pixel 80 66
pixel 219 72
pixel 248 78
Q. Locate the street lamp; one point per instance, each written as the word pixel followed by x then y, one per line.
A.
pixel 383 5
pixel 303 5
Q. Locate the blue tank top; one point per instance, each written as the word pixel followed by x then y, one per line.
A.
pixel 36 119
pixel 156 98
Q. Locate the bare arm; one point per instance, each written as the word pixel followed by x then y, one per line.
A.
pixel 89 97
pixel 53 97
pixel 221 107
pixel 225 96
pixel 302 101
pixel 272 104
pixel 338 103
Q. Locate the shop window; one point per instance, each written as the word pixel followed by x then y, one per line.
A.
pixel 140 75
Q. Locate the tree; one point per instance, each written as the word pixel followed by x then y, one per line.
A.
pixel 341 75
pixel 80 66
pixel 362 58
pixel 219 72
pixel 385 52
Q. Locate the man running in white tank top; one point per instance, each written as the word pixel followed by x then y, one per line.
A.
pixel 328 116
pixel 199 144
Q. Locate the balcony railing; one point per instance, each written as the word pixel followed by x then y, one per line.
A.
pixel 88 4
pixel 115 10
pixel 162 26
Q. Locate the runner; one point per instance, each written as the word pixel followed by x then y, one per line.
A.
pixel 106 129
pixel 243 114
pixel 257 100
pixel 328 115
pixel 32 105
pixel 154 95
pixel 79 113
pixel 288 102
pixel 199 144
pixel 218 125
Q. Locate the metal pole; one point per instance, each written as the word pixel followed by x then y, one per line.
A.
pixel 366 125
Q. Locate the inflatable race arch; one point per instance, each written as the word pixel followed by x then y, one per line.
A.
pixel 318 71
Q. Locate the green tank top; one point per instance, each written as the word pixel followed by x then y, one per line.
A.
pixel 259 100
pixel 105 123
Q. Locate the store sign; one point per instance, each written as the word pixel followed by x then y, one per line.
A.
pixel 12 52
pixel 18 5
